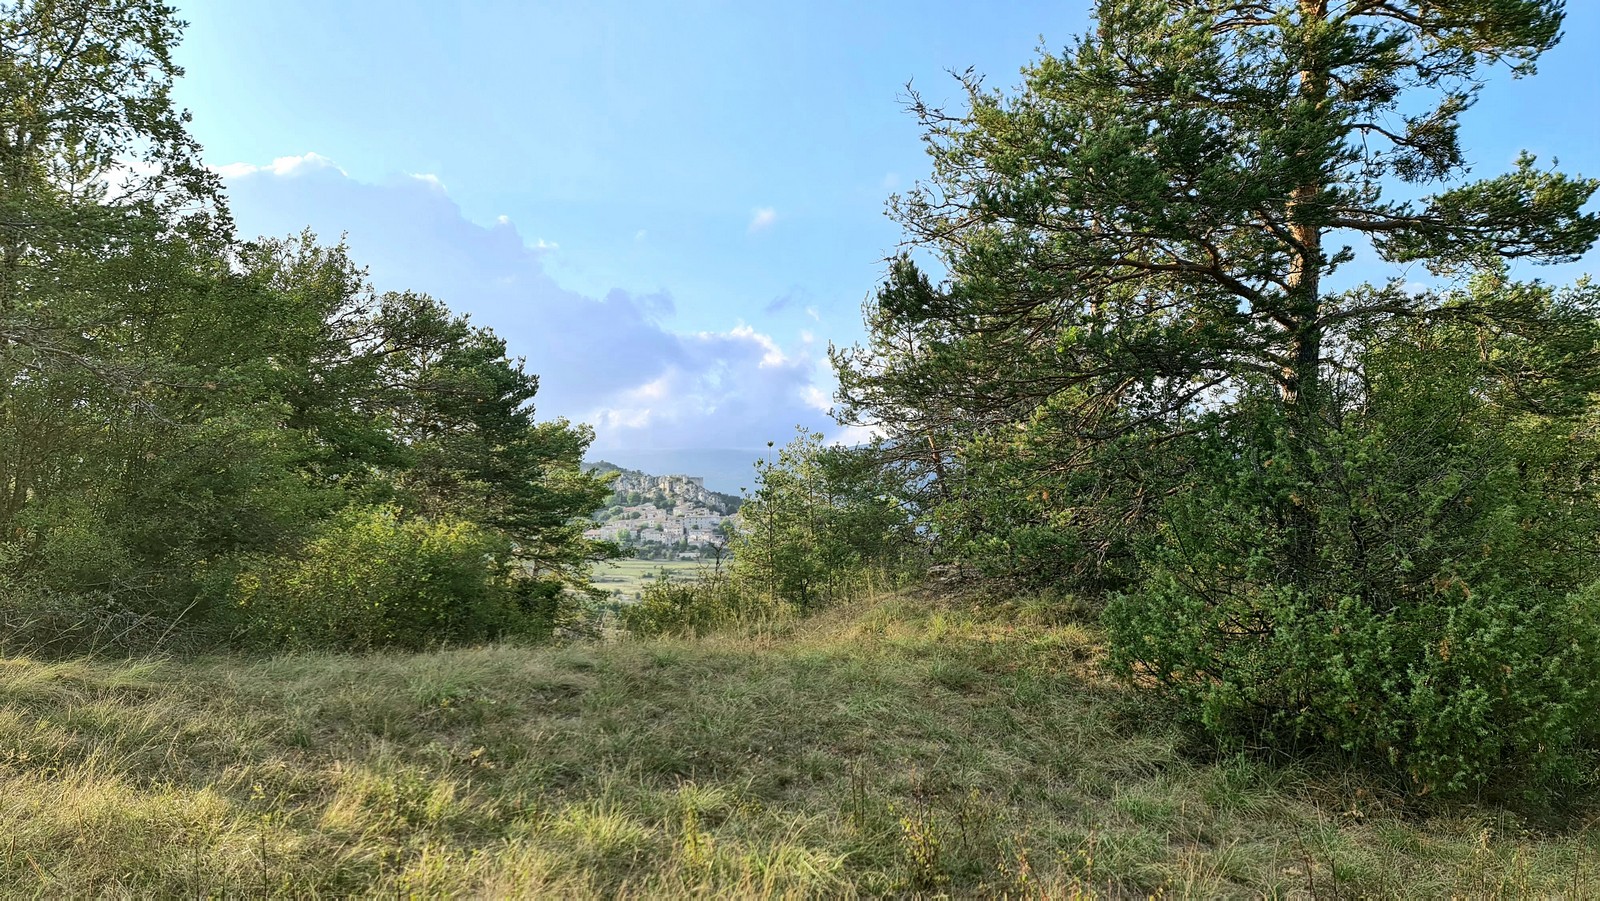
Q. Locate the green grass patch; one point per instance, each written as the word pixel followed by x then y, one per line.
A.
pixel 626 579
pixel 903 748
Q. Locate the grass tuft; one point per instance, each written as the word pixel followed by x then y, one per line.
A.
pixel 898 748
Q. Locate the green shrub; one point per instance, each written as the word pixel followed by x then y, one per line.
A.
pixel 1458 689
pixel 820 519
pixel 377 579
pixel 38 621
pixel 72 587
pixel 697 607
pixel 72 547
pixel 1450 621
pixel 999 519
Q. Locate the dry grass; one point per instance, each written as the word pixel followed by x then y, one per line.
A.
pixel 894 749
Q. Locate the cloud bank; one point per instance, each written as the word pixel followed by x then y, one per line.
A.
pixel 612 361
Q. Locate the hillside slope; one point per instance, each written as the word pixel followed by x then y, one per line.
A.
pixel 897 748
pixel 680 489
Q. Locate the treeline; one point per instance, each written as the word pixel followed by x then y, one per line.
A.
pixel 203 436
pixel 1114 365
pixel 823 526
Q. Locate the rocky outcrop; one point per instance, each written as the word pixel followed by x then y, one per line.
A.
pixel 687 490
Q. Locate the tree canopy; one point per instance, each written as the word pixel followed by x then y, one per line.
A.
pixel 1149 224
pixel 200 429
pixel 1118 356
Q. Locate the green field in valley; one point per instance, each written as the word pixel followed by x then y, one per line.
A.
pixel 629 577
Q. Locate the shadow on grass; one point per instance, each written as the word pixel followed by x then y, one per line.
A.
pixel 903 747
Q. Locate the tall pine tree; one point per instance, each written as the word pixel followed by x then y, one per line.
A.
pixel 1151 222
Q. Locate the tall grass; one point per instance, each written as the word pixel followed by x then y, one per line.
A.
pixel 897 747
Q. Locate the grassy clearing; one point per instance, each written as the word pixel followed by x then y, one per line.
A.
pixel 892 749
pixel 625 579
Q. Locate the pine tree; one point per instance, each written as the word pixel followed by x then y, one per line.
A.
pixel 1148 226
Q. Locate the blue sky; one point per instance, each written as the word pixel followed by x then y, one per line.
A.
pixel 670 209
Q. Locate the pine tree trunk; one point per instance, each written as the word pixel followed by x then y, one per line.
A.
pixel 1301 391
pixel 1301 387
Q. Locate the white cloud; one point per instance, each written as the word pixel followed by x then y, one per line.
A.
pixel 283 166
pixel 612 421
pixel 640 235
pixel 429 179
pixel 655 389
pixel 734 388
pixel 234 170
pixel 611 361
pixel 763 219
pixel 773 355
pixel 126 176
pixel 852 435
pixel 818 399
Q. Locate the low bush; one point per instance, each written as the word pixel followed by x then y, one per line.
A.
pixel 1463 688
pixel 73 593
pixel 697 607
pixel 377 579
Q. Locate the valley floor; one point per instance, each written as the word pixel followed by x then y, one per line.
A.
pixel 625 579
pixel 898 748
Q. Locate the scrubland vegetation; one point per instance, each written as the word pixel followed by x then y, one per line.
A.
pixel 909 745
pixel 1179 566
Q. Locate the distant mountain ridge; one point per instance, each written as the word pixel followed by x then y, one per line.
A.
pixel 724 469
pixel 683 489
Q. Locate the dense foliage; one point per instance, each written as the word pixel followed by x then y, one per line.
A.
pixel 375 579
pixel 1451 623
pixel 202 431
pixel 824 525
pixel 1363 517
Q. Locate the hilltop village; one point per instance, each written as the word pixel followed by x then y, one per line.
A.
pixel 663 517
